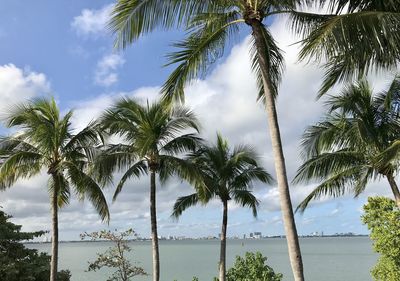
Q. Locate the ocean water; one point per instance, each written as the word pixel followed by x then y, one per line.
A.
pixel 325 258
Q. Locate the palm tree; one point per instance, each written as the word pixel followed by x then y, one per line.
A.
pixel 211 25
pixel 227 174
pixel 46 141
pixel 152 140
pixel 356 37
pixel 353 144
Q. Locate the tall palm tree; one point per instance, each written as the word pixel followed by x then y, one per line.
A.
pixel 227 174
pixel 353 144
pixel 45 140
pixel 211 25
pixel 153 138
pixel 355 37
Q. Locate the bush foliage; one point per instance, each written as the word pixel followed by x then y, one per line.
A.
pixel 382 217
pixel 18 262
pixel 252 267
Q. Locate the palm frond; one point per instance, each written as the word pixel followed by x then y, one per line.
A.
pixel 19 165
pixel 390 99
pixel 334 186
pixel 112 159
pixel 247 176
pixel 246 199
pixel 131 19
pixel 86 138
pixel 174 166
pixel 327 164
pixel 362 180
pixel 202 47
pixel 182 144
pixel 324 135
pixel 136 170
pixel 87 188
pixel 353 44
pixel 185 118
pixel 59 183
pixel 305 22
pixel 182 203
pixel 389 155
pixel 275 63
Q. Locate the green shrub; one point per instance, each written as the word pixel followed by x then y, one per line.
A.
pixel 18 262
pixel 63 275
pixel 252 267
pixel 382 217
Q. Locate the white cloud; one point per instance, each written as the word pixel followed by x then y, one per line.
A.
pixel 92 22
pixel 17 85
pixel 106 69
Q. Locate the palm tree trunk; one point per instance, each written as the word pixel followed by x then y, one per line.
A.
pixel 154 235
pixel 222 257
pixel 395 189
pixel 283 186
pixel 54 234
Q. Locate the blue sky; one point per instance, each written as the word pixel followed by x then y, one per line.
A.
pixel 61 48
pixel 40 34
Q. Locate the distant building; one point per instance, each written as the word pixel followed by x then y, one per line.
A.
pixel 256 235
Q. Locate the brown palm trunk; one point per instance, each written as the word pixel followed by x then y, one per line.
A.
pixel 283 186
pixel 54 234
pixel 395 189
pixel 154 235
pixel 222 256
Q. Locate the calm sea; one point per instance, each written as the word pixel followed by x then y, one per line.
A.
pixel 325 259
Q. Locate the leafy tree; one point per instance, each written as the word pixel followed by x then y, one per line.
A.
pixel 46 141
pixel 153 138
pixel 252 267
pixel 353 144
pixel 18 262
pixel 211 25
pixel 115 257
pixel 357 36
pixel 383 220
pixel 227 175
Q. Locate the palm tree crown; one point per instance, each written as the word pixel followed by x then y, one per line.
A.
pixel 154 136
pixel 152 139
pixel 356 37
pixel 46 141
pixel 225 174
pixel 351 146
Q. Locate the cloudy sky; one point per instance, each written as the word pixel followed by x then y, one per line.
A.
pixel 62 49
